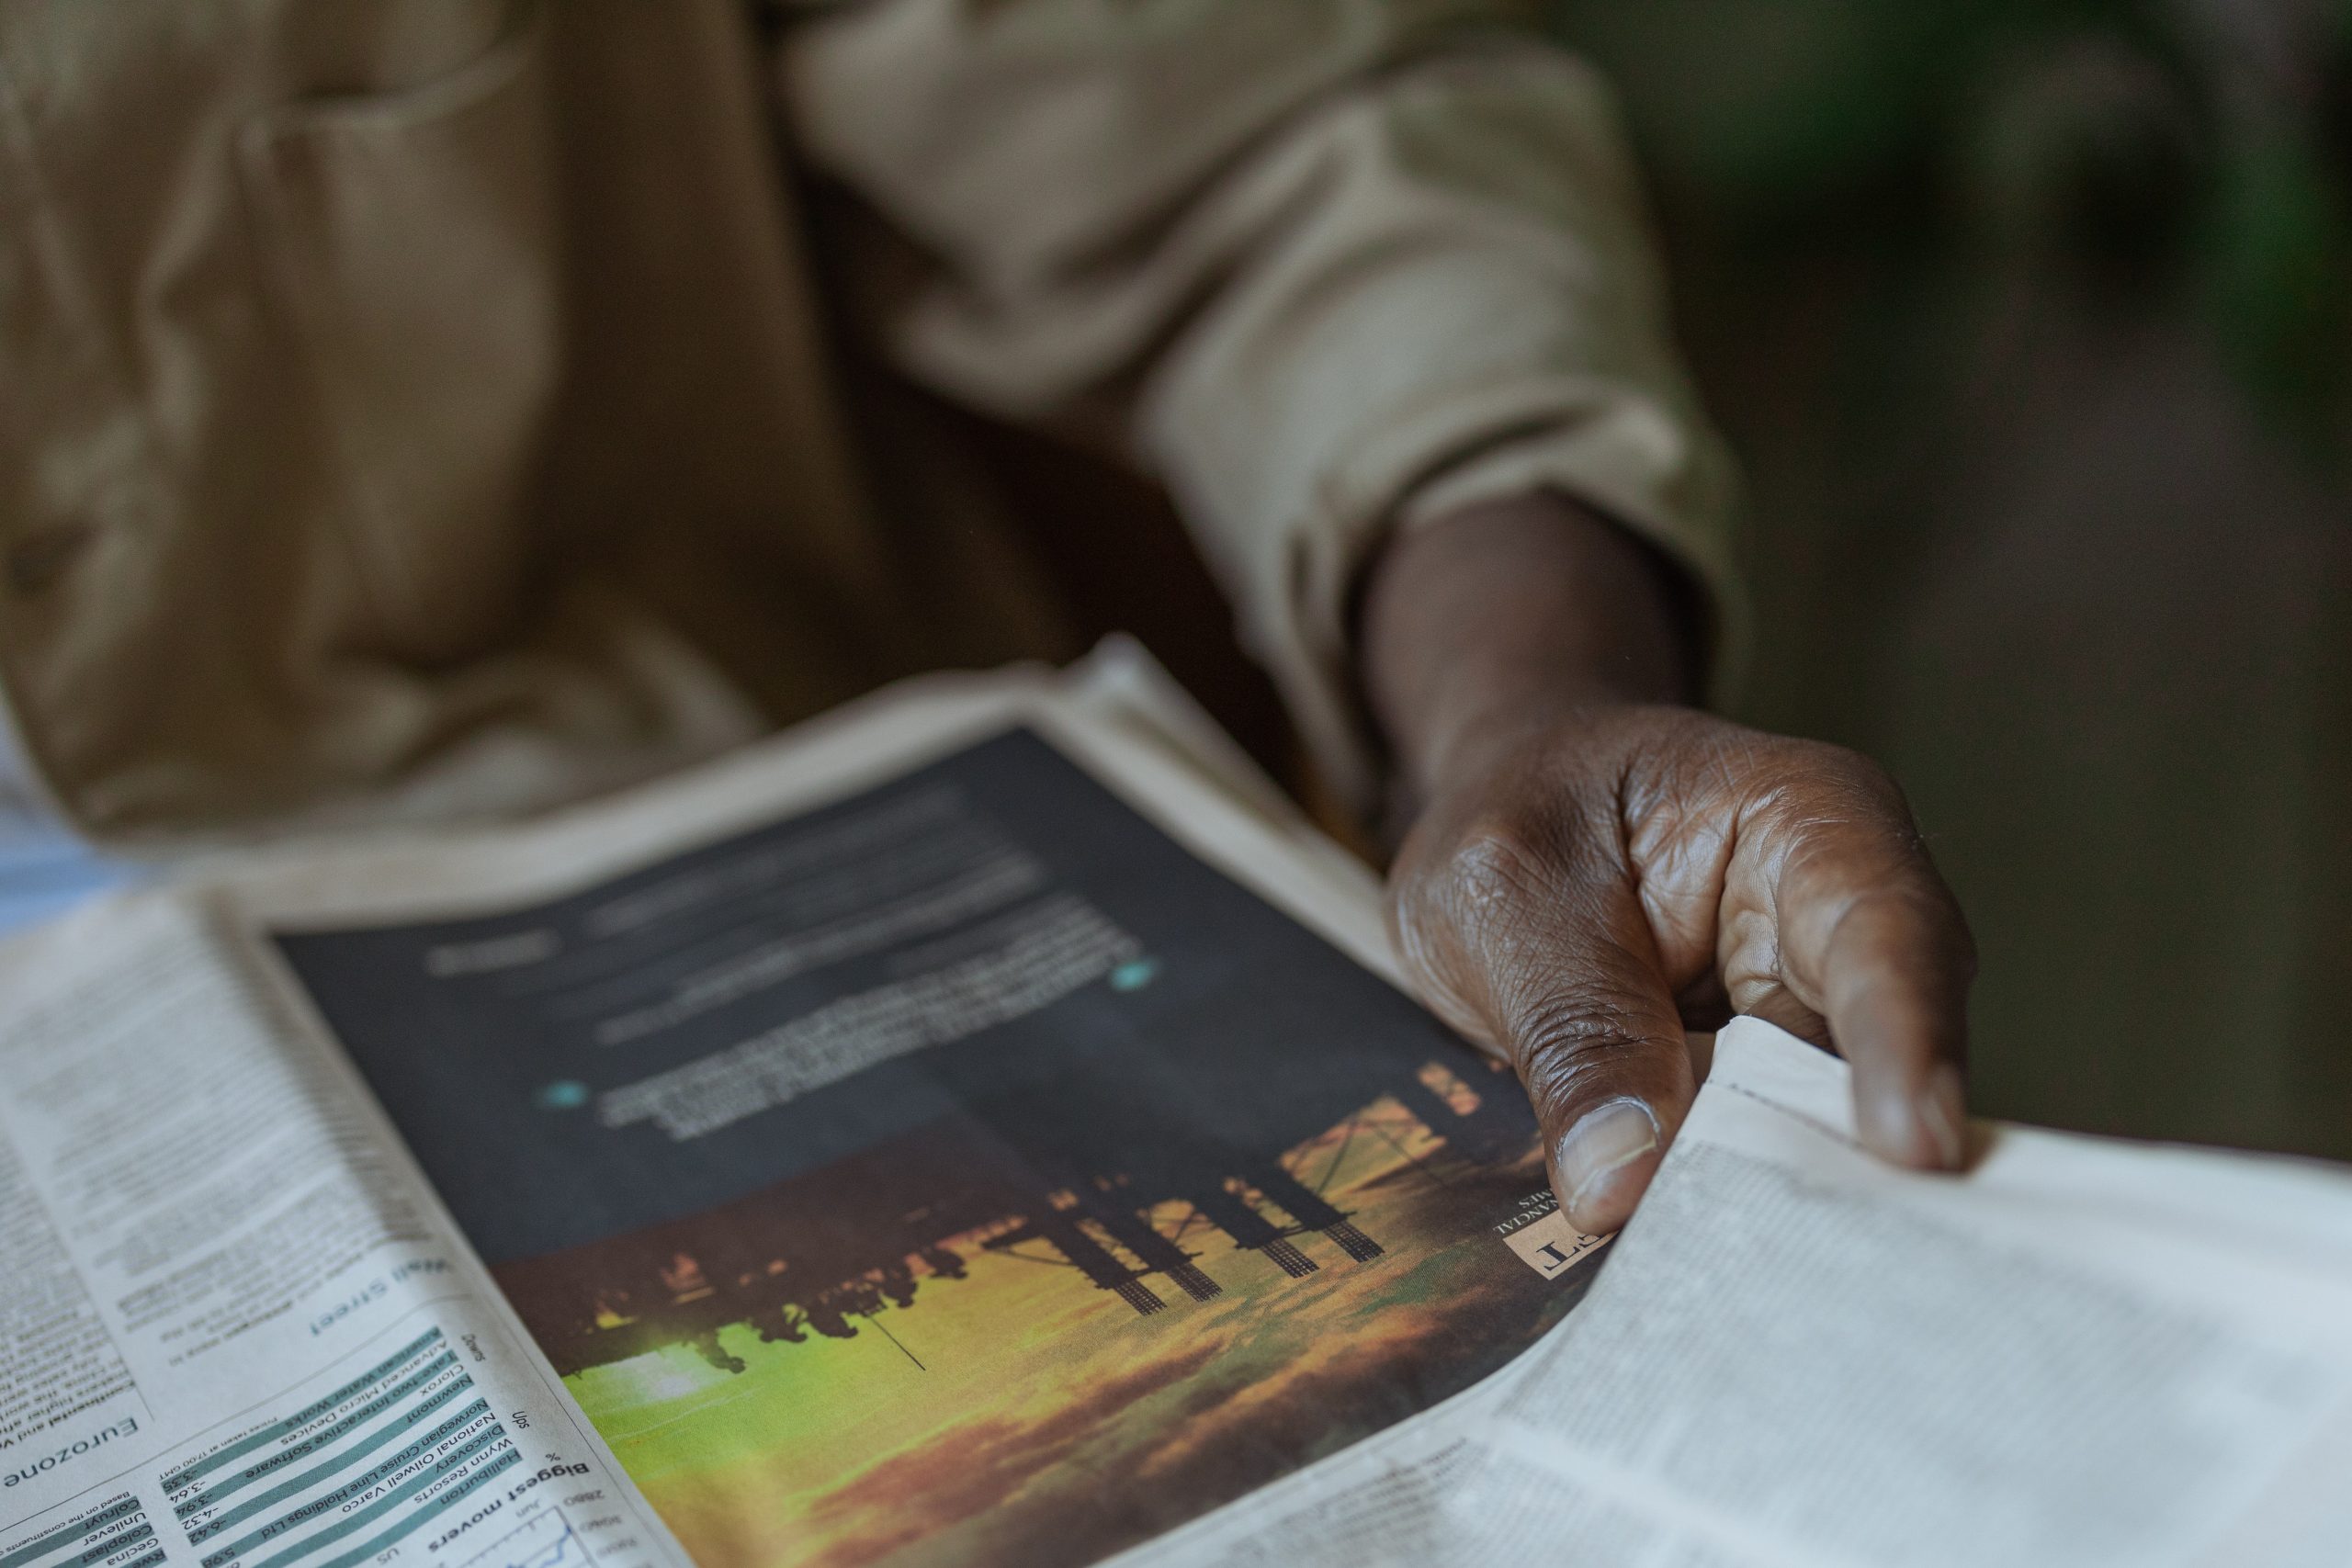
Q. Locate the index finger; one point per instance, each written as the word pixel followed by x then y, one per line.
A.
pixel 1872 940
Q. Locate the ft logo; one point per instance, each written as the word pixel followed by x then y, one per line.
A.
pixel 1545 1240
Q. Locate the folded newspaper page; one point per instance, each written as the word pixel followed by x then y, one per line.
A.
pixel 985 1127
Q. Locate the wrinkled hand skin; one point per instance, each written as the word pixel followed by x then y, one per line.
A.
pixel 1592 865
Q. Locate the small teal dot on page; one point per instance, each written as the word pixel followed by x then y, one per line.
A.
pixel 564 1094
pixel 1134 974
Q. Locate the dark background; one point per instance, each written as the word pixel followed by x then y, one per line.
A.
pixel 2030 324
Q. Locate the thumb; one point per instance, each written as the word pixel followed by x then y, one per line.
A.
pixel 1599 1043
pixel 1555 964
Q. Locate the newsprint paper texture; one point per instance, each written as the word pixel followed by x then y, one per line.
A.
pixel 962 1172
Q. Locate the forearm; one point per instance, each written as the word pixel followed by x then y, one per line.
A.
pixel 1512 614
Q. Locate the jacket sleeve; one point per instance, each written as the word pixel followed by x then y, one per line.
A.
pixel 1335 265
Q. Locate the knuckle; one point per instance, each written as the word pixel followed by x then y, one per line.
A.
pixel 1846 835
pixel 1856 767
pixel 1879 797
pixel 1821 768
pixel 1566 1047
pixel 1485 912
pixel 1445 912
pixel 1499 868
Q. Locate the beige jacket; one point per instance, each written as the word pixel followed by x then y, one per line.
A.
pixel 425 406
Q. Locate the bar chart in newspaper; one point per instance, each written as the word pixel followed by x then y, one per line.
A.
pixel 409 1441
pixel 407 1457
pixel 114 1531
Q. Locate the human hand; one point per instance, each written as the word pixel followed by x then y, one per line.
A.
pixel 1587 869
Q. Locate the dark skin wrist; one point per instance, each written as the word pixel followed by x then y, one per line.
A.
pixel 1592 861
pixel 1509 614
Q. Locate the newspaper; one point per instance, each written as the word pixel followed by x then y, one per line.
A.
pixel 987 1126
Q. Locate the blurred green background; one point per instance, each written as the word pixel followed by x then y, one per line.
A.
pixel 2033 325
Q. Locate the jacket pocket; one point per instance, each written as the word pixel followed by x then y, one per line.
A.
pixel 413 242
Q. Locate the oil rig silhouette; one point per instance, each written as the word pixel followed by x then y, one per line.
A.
pixel 1228 1208
pixel 1098 1191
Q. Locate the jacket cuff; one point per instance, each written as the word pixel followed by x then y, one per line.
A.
pixel 1655 470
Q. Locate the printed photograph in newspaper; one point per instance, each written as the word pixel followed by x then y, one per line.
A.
pixel 961 1171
